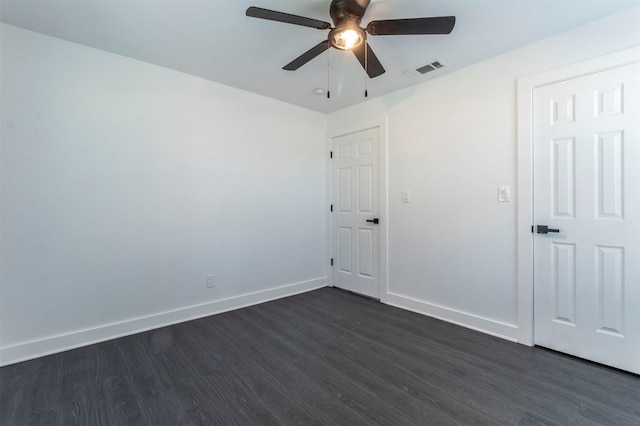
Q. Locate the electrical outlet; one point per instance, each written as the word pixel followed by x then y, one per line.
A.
pixel 211 281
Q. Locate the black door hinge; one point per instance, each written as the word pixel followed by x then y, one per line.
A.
pixel 330 154
pixel 331 208
pixel 532 231
pixel 332 261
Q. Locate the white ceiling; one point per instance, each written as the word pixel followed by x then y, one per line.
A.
pixel 213 39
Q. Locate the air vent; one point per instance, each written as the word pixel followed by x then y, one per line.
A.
pixel 426 69
pixel 420 71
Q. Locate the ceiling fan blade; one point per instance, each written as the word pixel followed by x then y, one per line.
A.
pixel 272 15
pixel 435 25
pixel 307 56
pixel 370 63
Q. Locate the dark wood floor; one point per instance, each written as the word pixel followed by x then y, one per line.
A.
pixel 324 357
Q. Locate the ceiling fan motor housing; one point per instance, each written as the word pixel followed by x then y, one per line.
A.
pixel 347 12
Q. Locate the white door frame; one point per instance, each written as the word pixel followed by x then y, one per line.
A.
pixel 357 126
pixel 526 87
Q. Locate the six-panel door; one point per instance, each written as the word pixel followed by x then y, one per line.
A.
pixel 355 201
pixel 587 185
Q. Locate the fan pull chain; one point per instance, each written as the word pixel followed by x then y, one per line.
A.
pixel 328 73
pixel 366 69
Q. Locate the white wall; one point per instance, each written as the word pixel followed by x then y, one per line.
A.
pixel 452 142
pixel 124 184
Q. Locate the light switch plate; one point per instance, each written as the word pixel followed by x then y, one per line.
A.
pixel 504 194
pixel 406 196
pixel 211 281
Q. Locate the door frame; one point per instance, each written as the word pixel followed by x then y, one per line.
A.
pixel 526 86
pixel 383 189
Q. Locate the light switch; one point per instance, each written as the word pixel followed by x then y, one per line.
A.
pixel 406 196
pixel 504 194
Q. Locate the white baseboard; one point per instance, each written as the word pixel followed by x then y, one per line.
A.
pixel 485 325
pixel 75 339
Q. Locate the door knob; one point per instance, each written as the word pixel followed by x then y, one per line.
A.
pixel 544 229
pixel 375 220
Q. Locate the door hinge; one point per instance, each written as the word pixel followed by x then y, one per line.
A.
pixel 331 207
pixel 532 229
pixel 330 154
pixel 332 261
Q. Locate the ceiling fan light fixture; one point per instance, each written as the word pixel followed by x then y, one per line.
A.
pixel 348 35
pixel 346 38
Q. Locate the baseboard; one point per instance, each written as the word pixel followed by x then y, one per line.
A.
pixel 474 322
pixel 63 342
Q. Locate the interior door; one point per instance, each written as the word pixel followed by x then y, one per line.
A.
pixel 355 229
pixel 587 192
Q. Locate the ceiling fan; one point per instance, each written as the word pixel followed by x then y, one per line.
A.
pixel 346 34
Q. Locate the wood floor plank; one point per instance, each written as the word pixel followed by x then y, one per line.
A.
pixel 360 395
pixel 395 368
pixel 285 361
pixel 381 376
pixel 502 358
pixel 260 362
pixel 271 399
pixel 326 357
pixel 451 372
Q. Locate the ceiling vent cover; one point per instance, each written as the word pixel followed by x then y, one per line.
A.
pixel 420 71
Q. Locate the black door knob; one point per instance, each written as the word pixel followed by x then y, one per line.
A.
pixel 544 229
pixel 374 220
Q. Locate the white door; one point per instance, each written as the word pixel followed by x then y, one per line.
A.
pixel 587 187
pixel 355 234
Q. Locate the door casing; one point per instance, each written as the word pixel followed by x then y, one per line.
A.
pixel 526 87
